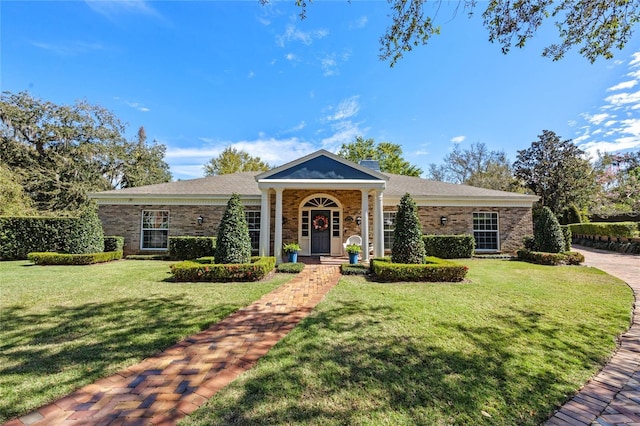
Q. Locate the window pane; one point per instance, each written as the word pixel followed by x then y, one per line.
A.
pixel 485 230
pixel 155 229
pixel 389 219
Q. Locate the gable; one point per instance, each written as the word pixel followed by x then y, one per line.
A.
pixel 322 165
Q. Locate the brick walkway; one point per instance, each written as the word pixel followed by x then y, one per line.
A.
pixel 163 389
pixel 613 396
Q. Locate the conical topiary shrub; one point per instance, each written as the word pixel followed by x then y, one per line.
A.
pixel 233 244
pixel 547 233
pixel 408 246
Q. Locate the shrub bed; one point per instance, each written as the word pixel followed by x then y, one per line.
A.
pixel 190 271
pixel 619 229
pixel 347 269
pixel 290 268
pixel 434 270
pixel 113 243
pixel 543 258
pixel 449 246
pixel 51 258
pixel 185 247
pixel 630 246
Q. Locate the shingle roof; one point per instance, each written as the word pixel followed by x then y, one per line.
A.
pixel 245 184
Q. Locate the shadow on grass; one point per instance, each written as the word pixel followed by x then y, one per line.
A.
pixel 342 365
pixel 49 354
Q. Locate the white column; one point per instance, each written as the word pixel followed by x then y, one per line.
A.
pixel 277 240
pixel 364 226
pixel 265 223
pixel 378 225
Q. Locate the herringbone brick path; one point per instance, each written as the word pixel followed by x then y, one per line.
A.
pixel 166 387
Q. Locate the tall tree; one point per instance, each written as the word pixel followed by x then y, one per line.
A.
pixel 232 160
pixel 63 152
pixel 595 27
pixel 388 154
pixel 13 200
pixel 476 166
pixel 619 180
pixel 557 171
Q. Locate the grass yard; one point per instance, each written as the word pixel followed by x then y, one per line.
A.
pixel 62 327
pixel 506 348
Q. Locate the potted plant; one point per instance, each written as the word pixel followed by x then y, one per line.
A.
pixel 292 250
pixel 353 250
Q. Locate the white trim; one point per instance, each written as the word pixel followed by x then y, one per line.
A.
pixel 462 201
pixel 320 184
pixel 173 200
pixel 305 242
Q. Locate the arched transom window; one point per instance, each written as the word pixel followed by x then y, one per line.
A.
pixel 320 202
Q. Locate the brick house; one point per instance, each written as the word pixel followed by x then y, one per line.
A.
pixel 318 201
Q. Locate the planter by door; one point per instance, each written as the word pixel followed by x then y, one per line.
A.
pixel 353 258
pixel 293 257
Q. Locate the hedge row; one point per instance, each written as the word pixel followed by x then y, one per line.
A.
pixel 190 271
pixel 359 269
pixel 49 258
pixel 113 243
pixel 619 229
pixel 632 247
pixel 543 258
pixel 184 247
pixel 20 236
pixel 449 246
pixel 434 270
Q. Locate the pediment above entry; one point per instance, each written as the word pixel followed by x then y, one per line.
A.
pixel 322 170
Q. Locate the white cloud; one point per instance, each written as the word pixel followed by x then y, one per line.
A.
pixel 296 128
pixel 359 23
pixel 251 74
pixel 458 139
pixel 293 34
pixel 347 108
pixel 72 48
pixel 291 57
pixel 110 9
pixel 132 104
pixel 606 132
pixel 624 85
pixel 329 66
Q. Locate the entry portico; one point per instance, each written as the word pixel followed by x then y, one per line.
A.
pixel 320 214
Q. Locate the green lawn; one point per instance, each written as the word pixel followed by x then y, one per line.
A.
pixel 62 327
pixel 506 348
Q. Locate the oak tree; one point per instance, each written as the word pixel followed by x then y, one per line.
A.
pixel 388 155
pixel 232 160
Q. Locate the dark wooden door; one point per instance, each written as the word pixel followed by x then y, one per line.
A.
pixel 320 232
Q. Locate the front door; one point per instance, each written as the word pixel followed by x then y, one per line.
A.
pixel 320 232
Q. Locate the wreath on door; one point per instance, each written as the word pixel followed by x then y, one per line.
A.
pixel 320 223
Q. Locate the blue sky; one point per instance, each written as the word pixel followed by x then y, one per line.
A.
pixel 204 75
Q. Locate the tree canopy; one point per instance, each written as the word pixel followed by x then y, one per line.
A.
pixel 595 27
pixel 557 171
pixel 476 166
pixel 61 153
pixel 232 160
pixel 619 181
pixel 388 154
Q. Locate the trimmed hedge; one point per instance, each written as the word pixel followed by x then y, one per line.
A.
pixel 50 258
pixel 20 236
pixel 290 268
pixel 185 247
pixel 619 229
pixel 113 243
pixel 632 247
pixel 554 259
pixel 449 246
pixel 147 257
pixel 566 233
pixel 434 270
pixel 347 269
pixel 190 271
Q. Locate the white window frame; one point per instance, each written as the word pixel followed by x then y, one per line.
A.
pixel 388 230
pixel 255 222
pixel 164 226
pixel 485 229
